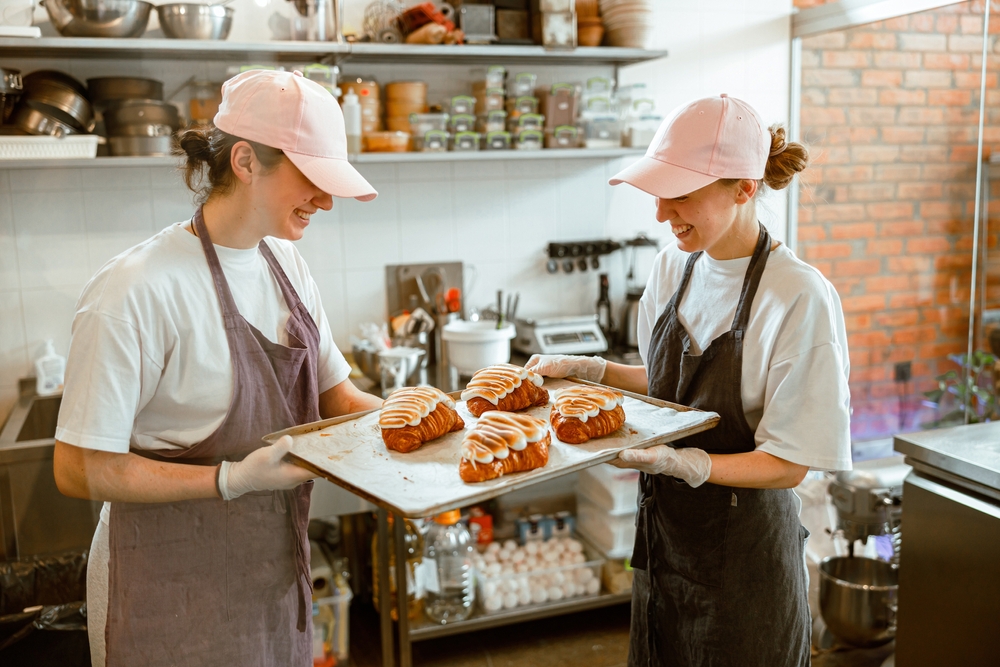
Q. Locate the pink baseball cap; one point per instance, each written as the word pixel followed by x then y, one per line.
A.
pixel 285 110
pixel 709 139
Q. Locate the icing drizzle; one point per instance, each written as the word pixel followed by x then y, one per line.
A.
pixel 408 406
pixel 586 401
pixel 495 382
pixel 497 433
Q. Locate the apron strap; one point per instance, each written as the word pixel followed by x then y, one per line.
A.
pixel 752 281
pixel 230 313
pixel 291 297
pixel 675 300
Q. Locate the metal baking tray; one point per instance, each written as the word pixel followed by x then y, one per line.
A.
pixel 349 452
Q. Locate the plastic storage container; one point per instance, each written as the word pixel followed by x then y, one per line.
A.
pixel 450 587
pixel 421 123
pixel 494 121
pixel 510 576
pixel 559 104
pixel 462 122
pixel 529 140
pixel 387 142
pixel 564 136
pixel 612 533
pixel 432 141
pixel 521 84
pixel 490 99
pixel 465 141
pixel 462 104
pixel 490 77
pixel 612 489
pixel 521 105
pixel 602 131
pixel 496 141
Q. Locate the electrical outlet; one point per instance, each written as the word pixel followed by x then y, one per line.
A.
pixel 903 371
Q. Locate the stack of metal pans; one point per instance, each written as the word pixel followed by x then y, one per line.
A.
pixel 11 87
pixel 136 120
pixel 53 104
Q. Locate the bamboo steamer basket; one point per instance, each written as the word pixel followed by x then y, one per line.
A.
pixel 406 91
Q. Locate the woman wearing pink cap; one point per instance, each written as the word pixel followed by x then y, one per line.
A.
pixel 731 322
pixel 186 350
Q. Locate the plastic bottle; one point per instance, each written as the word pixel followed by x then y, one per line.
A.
pixel 352 121
pixel 450 594
pixel 50 370
pixel 414 545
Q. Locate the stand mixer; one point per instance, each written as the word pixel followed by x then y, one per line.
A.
pixel 858 595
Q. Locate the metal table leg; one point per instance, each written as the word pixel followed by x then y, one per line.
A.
pixel 384 598
pixel 402 593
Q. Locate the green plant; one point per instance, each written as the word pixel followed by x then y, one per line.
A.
pixel 970 391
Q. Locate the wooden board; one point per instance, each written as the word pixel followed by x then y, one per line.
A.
pixel 349 452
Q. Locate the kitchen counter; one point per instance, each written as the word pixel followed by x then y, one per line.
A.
pixel 968 456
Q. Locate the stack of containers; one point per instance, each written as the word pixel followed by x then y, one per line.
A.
pixel 462 124
pixel 525 124
pixel 599 115
pixel 136 119
pixel 402 98
pixel 606 507
pixel 491 121
pixel 559 103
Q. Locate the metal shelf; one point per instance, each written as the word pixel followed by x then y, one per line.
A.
pixel 191 49
pixel 364 158
pixel 428 630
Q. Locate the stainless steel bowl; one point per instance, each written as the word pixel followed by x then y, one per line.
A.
pixel 858 599
pixel 192 21
pixel 107 90
pixel 146 146
pixel 38 123
pixel 99 18
pixel 140 112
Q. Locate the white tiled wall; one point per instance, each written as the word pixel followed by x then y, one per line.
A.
pixel 58 226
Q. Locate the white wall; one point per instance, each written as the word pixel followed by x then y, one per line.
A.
pixel 58 226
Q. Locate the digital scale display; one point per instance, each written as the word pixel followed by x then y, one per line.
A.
pixel 570 337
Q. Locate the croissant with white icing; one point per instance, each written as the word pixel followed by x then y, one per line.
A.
pixel 585 412
pixel 504 387
pixel 502 443
pixel 414 415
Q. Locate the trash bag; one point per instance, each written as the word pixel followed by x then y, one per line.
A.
pixel 43 616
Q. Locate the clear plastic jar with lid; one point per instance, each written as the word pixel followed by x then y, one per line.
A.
pixel 450 593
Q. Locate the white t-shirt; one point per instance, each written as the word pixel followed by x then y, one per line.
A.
pixel 149 365
pixel 795 364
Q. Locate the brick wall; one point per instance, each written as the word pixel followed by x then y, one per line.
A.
pixel 890 112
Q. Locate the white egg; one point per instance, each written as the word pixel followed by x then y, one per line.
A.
pixel 521 567
pixel 569 589
pixel 509 545
pixel 510 600
pixel 584 574
pixel 490 557
pixel 492 548
pixel 593 586
pixel 531 548
pixel 524 596
pixel 493 569
pixel 574 546
pixel 558 578
pixel 489 588
pixel 555 593
pixel 539 595
pixel 551 557
pixel 579 558
pixel 493 603
pixel 518 555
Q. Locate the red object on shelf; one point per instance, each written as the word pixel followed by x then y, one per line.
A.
pixel 485 522
pixel 421 15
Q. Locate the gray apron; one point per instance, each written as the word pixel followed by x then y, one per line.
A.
pixel 209 582
pixel 719 577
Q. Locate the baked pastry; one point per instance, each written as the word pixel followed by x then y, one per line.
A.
pixel 585 412
pixel 504 387
pixel 501 443
pixel 414 415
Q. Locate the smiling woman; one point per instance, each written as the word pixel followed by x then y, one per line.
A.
pixel 186 350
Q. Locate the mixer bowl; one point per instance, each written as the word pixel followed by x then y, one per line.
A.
pixel 99 18
pixel 858 599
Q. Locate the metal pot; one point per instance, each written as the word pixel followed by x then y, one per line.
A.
pixel 107 90
pixel 858 598
pixel 144 130
pixel 628 332
pixel 140 112
pixel 146 146
pixel 194 21
pixel 98 18
pixel 53 97
pixel 35 122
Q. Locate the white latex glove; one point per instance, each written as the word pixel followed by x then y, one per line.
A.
pixel 564 365
pixel 690 464
pixel 262 470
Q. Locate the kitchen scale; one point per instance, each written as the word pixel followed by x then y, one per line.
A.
pixel 574 334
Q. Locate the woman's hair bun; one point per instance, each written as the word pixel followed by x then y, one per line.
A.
pixel 785 159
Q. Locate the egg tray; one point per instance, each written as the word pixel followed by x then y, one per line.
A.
pixel 534 589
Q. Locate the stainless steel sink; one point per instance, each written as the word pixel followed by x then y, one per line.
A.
pixel 35 518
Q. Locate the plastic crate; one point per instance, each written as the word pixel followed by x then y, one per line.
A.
pixel 612 489
pixel 612 534
pixel 42 148
pixel 504 591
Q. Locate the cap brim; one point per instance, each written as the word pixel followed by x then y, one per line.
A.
pixel 333 176
pixel 662 179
